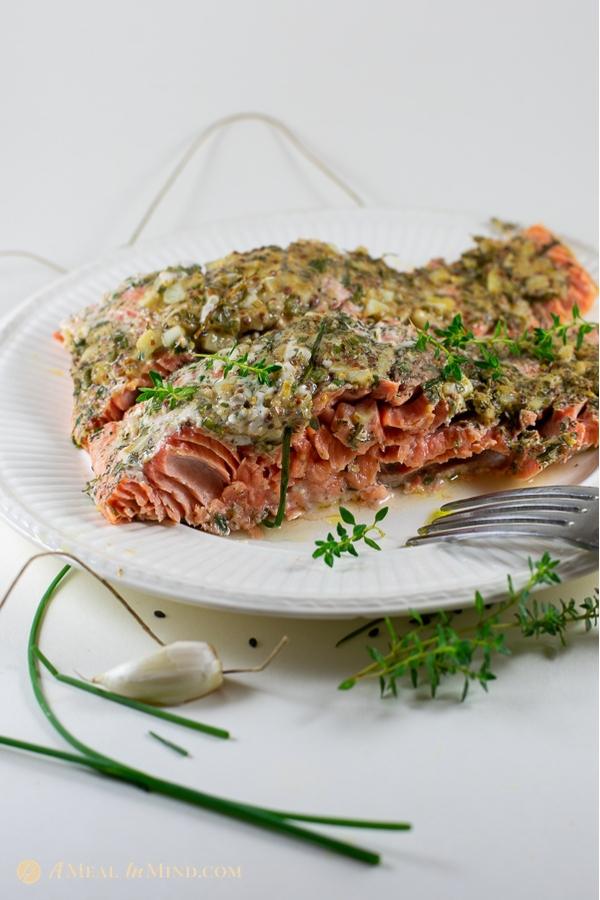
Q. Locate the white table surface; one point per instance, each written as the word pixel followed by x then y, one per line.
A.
pixel 461 105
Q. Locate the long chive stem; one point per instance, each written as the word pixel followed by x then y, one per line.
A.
pixel 313 351
pixel 285 477
pixel 287 437
pixel 342 822
pixel 34 674
pixel 254 815
pixel 265 818
pixel 300 817
pixel 147 708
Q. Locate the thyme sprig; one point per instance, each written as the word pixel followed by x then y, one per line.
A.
pixel 164 392
pixel 264 371
pixel 455 340
pixel 543 339
pixel 332 547
pixel 434 649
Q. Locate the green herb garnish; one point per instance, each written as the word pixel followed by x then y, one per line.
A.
pixel 263 371
pixel 162 391
pixel 170 744
pixel 454 341
pixel 332 547
pixel 274 820
pixel 287 437
pixel 284 480
pixel 313 351
pixel 434 649
pixel 138 705
pixel 165 392
pixel 583 327
pixel 319 264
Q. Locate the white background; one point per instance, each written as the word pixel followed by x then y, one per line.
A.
pixel 485 106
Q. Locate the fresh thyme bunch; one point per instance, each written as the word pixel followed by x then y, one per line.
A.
pixel 434 649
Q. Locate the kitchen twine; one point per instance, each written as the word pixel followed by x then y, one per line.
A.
pixel 198 142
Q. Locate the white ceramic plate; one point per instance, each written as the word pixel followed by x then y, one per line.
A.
pixel 42 474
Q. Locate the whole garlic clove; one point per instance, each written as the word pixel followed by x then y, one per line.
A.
pixel 174 674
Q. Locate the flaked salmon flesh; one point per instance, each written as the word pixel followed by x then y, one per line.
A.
pixel 365 407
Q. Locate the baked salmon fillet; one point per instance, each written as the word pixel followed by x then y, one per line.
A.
pixel 159 321
pixel 333 407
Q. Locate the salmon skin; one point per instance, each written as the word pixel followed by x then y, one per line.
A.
pixel 158 321
pixel 367 409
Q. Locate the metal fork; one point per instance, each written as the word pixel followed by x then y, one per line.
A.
pixel 558 512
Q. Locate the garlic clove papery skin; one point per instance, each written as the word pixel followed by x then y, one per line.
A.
pixel 174 674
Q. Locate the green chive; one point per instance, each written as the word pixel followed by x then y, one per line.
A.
pixel 285 477
pixel 133 704
pixel 270 819
pixel 181 750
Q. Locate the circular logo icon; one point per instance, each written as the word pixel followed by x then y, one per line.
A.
pixel 29 871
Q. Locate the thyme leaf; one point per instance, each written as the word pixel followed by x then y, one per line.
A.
pixel 332 547
pixel 164 392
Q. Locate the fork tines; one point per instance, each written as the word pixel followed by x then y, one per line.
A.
pixel 561 512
